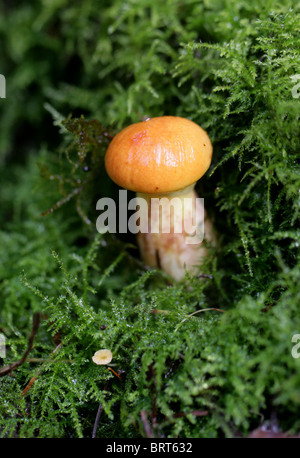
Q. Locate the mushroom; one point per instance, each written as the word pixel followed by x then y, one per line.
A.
pixel 161 159
pixel 102 357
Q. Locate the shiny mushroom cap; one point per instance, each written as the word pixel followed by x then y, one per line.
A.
pixel 160 155
pixel 102 357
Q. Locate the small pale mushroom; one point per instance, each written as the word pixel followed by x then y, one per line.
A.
pixel 164 157
pixel 102 357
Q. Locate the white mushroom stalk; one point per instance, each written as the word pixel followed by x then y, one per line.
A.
pixel 174 237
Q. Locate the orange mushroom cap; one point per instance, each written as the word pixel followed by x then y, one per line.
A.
pixel 160 155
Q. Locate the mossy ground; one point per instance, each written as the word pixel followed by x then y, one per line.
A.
pixel 76 74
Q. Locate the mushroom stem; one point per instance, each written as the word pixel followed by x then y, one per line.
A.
pixel 172 238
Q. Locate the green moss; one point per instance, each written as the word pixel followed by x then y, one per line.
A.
pixel 204 357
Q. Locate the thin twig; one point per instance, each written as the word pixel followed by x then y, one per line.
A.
pixel 28 386
pixel 42 360
pixel 198 311
pixel 147 429
pixel 97 421
pixel 10 367
pixel 33 379
pixel 114 372
pixel 195 413
pixel 99 411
